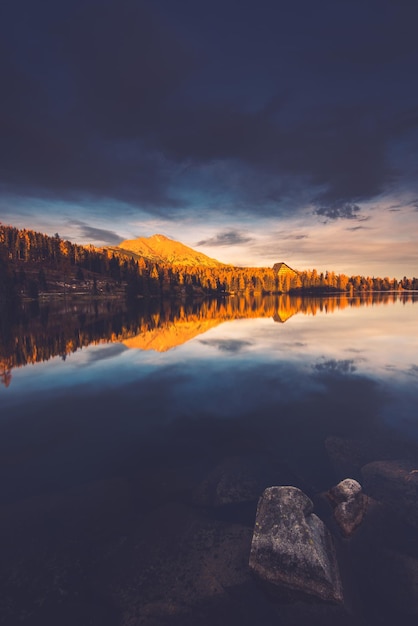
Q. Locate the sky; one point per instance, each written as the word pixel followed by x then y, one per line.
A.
pixel 255 132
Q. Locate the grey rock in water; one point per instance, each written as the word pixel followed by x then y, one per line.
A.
pixel 292 551
pixel 350 505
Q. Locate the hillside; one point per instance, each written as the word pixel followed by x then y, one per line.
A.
pixel 161 249
pixel 33 264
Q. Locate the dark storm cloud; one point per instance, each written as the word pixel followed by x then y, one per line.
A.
pixel 398 207
pixel 227 238
pixel 346 211
pixel 157 103
pixel 102 354
pixel 227 345
pixel 75 123
pixel 126 64
pixel 99 234
pixel 284 235
pixel 354 228
pixel 336 366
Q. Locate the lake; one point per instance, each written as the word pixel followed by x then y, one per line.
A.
pixel 135 443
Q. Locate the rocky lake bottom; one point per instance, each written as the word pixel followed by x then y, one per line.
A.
pixel 135 451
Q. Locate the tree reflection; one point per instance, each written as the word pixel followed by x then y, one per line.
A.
pixel 33 334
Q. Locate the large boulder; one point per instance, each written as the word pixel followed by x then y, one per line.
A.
pixel 350 505
pixel 292 551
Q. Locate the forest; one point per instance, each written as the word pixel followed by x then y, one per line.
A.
pixel 34 265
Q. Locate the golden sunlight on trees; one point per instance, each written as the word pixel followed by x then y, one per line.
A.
pixel 157 325
pixel 34 264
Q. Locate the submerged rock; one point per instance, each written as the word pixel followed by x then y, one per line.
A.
pixel 399 573
pixel 350 505
pixel 348 456
pixel 292 551
pixel 242 479
pixel 235 480
pixel 176 562
pixel 395 483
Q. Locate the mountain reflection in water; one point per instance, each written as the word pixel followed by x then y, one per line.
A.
pixel 36 333
pixel 130 477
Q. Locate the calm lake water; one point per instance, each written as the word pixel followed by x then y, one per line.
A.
pixel 134 445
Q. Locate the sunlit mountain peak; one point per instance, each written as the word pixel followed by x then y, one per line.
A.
pixel 161 249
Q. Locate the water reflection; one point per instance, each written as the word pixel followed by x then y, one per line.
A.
pixel 131 469
pixel 34 333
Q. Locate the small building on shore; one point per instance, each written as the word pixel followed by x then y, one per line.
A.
pixel 285 278
pixel 282 270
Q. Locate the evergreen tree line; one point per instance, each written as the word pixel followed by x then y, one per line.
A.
pixel 28 261
pixel 37 332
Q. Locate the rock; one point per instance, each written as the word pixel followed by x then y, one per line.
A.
pixel 242 479
pixel 345 490
pixel 350 505
pixel 394 483
pixel 348 456
pixel 176 561
pixel 402 573
pixel 233 481
pixel 292 551
pixel 398 573
pixel 350 514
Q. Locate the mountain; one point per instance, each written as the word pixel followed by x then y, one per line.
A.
pixel 171 335
pixel 161 249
